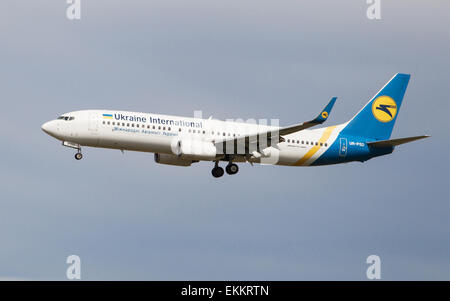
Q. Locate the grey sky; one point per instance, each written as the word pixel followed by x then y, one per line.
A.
pixel 129 218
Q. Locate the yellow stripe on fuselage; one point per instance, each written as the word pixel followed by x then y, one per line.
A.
pixel 326 134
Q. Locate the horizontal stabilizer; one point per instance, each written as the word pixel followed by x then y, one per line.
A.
pixel 395 142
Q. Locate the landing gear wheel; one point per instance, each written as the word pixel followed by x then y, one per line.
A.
pixel 217 172
pixel 232 169
pixel 78 156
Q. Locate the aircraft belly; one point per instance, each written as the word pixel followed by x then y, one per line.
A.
pixel 290 155
pixel 136 142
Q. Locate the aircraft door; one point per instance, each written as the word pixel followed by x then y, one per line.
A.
pixel 93 123
pixel 343 147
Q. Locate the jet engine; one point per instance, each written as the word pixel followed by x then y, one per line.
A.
pixel 171 160
pixel 190 149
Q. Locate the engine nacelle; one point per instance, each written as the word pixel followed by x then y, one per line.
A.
pixel 171 160
pixel 190 149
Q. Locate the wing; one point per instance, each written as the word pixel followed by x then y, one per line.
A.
pixel 318 120
pixel 266 138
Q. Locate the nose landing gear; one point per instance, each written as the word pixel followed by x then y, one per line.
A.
pixel 79 155
pixel 76 146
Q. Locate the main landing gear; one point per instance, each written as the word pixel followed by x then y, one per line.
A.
pixel 217 171
pixel 231 169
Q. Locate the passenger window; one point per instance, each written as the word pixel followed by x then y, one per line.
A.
pixel 128 124
pixel 223 134
pixel 321 144
pixel 204 132
pixel 123 123
pixel 179 130
pixel 164 128
pixel 325 144
pixel 113 123
pixel 108 122
pixel 71 118
pixel 168 129
pixel 103 122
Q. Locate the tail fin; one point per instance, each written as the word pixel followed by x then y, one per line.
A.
pixel 377 118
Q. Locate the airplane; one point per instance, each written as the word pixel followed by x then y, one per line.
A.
pixel 182 141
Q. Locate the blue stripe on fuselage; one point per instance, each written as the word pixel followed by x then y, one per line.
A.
pixel 350 148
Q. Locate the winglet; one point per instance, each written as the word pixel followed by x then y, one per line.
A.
pixel 325 112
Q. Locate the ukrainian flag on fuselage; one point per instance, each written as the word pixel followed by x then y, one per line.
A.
pixel 107 116
pixel 377 118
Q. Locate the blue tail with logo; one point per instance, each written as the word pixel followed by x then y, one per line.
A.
pixel 377 118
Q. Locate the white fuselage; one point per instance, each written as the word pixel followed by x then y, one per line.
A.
pixel 157 133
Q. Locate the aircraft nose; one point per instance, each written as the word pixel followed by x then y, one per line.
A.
pixel 48 127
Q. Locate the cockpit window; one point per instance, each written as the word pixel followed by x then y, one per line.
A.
pixel 66 118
